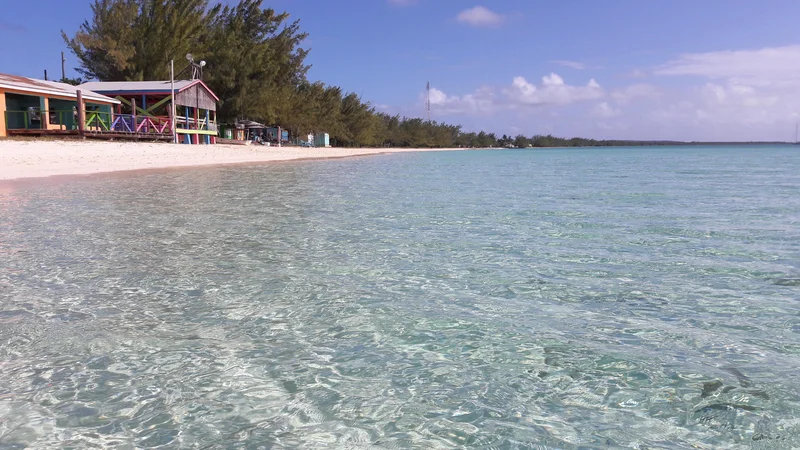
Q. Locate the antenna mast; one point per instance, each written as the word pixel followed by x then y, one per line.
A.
pixel 428 100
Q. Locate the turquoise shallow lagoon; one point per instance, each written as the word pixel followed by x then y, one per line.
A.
pixel 604 298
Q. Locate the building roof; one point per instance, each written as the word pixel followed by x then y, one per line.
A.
pixel 249 124
pixel 45 87
pixel 143 87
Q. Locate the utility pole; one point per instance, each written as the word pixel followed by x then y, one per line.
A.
pixel 172 108
pixel 63 69
pixel 428 100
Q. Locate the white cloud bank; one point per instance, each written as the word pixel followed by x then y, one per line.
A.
pixel 747 66
pixel 520 94
pixel 725 95
pixel 635 91
pixel 606 111
pixel 480 16
pixel 742 94
pixel 552 91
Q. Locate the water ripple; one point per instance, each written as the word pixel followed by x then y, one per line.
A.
pixel 507 299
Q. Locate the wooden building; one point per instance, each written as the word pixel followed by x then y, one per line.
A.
pixel 148 102
pixel 39 107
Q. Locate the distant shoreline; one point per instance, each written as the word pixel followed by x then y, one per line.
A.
pixel 36 159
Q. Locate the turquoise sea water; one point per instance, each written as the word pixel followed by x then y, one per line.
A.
pixel 613 298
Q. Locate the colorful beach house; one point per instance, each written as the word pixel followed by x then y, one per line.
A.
pixel 29 106
pixel 148 103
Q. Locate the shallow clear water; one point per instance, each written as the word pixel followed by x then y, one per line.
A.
pixel 640 298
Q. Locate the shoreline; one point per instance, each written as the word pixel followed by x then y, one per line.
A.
pixel 23 160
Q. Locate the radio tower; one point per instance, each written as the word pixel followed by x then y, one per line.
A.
pixel 428 100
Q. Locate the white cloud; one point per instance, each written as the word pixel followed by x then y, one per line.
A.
pixel 480 16
pixel 605 110
pixel 548 80
pixel 743 105
pixel 552 91
pixel 480 102
pixel 745 91
pixel 437 97
pixel 754 66
pixel 634 91
pixel 737 95
pixel 636 73
pixel 571 64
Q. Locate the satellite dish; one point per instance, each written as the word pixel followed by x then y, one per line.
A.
pixel 202 63
pixel 189 57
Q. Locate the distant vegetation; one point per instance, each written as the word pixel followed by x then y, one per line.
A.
pixel 256 65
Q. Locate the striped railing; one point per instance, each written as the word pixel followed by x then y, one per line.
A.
pixel 201 124
pixel 128 123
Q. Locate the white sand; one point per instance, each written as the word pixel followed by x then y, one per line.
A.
pixel 44 158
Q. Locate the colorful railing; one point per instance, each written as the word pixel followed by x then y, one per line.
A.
pixel 35 120
pixel 98 121
pixel 103 122
pixel 189 124
pixel 127 123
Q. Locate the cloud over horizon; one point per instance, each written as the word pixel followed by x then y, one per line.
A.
pixel 754 66
pixel 520 94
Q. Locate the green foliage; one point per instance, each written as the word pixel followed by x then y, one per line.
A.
pixel 552 141
pixel 72 81
pixel 254 62
pixel 135 39
pixel 521 141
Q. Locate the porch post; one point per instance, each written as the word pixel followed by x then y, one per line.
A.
pixel 81 114
pixel 133 108
pixel 208 127
pixel 188 136
pixel 171 122
pixel 196 137
pixel 44 114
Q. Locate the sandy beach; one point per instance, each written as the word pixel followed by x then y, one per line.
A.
pixel 45 158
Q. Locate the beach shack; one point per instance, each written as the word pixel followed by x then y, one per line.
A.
pixel 39 107
pixel 148 105
pixel 322 140
pixel 272 134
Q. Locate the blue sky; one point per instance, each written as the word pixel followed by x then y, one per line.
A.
pixel 677 69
